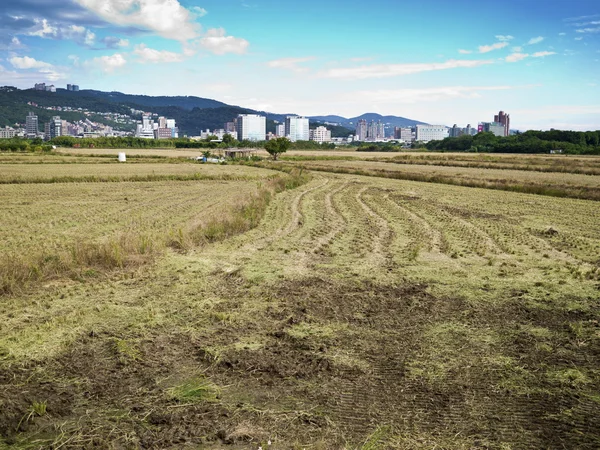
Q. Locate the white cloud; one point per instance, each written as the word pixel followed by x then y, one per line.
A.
pixel 44 29
pixel 503 38
pixel 412 96
pixel 199 12
pixel 464 52
pixel 577 19
pixel 27 62
pixel 517 49
pixel 216 41
pixel 106 64
pixel 489 48
pixel 150 55
pixel 562 34
pixel 578 38
pixel 535 40
pixel 585 24
pixel 516 57
pixel 49 71
pixel 167 18
pixel 114 42
pixel 588 30
pixel 14 44
pixel 76 33
pixel 393 70
pixel 290 64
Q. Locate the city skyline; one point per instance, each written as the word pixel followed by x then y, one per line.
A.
pixel 426 61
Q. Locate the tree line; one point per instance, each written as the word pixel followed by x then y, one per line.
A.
pixel 553 141
pixel 24 145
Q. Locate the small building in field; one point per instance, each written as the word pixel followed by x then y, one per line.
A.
pixel 239 152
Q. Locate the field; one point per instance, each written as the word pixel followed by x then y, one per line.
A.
pixel 574 185
pixel 354 311
pixel 17 173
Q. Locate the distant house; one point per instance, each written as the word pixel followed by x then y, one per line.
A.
pixel 239 152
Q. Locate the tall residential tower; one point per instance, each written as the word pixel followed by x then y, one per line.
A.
pixel 251 127
pixel 504 119
pixel 31 126
pixel 297 128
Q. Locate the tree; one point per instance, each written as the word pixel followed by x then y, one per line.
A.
pixel 276 146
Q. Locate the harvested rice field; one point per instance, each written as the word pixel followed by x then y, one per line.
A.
pixel 574 185
pixel 20 173
pixel 357 312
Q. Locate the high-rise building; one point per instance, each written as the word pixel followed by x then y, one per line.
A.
pixel 361 130
pixel 230 127
pixel 375 131
pixel 69 87
pixel 56 127
pixel 455 131
pixel 403 134
pixel 145 129
pixel 320 134
pixel 31 125
pixel 504 119
pixel 40 86
pixel 426 133
pixel 280 130
pixel 498 129
pixel 297 128
pixel 75 88
pixel 251 127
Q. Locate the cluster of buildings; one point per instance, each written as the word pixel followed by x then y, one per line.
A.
pixel 253 127
pixel 369 132
pixel 52 88
pixel 57 127
pixel 163 129
pixel 375 131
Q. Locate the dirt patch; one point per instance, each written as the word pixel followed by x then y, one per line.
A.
pixel 321 362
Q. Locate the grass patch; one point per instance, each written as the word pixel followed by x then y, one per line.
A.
pixel 198 389
pixel 129 250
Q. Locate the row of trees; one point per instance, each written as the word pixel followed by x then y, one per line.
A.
pixel 229 141
pixel 553 141
pixel 23 145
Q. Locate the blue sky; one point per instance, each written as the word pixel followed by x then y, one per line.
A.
pixel 431 60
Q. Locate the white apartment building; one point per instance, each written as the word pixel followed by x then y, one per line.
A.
pixel 280 130
pixel 320 134
pixel 145 129
pixel 251 127
pixel 297 128
pixel 426 133
pixel 7 133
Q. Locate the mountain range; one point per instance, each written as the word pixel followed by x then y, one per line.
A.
pixel 192 114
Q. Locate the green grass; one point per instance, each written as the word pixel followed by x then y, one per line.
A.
pixel 197 389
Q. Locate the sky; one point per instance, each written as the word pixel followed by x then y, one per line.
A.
pixel 435 61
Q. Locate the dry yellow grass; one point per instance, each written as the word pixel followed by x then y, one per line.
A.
pixel 39 172
pixel 44 218
pixel 361 311
pixel 466 173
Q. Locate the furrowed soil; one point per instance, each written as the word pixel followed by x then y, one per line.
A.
pixel 362 312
